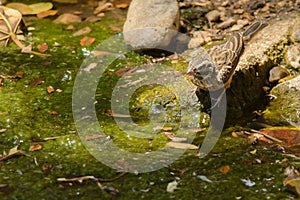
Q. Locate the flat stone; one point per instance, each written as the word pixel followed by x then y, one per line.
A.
pixel 292 56
pixel 229 22
pixel 148 23
pixel 277 73
pixel 285 106
pixel 213 15
pixel 295 36
pixel 67 18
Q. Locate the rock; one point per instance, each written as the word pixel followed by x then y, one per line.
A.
pixel 200 38
pixel 67 18
pixel 286 105
pixel 292 56
pixel 229 22
pixel 277 73
pixel 295 36
pixel 148 23
pixel 213 15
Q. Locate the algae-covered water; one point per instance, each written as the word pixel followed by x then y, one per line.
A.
pixel 30 115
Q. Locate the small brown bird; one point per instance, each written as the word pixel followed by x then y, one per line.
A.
pixel 214 70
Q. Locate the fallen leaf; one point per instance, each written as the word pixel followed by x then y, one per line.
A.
pixel 289 136
pixel 103 6
pixel 292 181
pixel 66 1
pixel 31 9
pixel 174 138
pixel 40 7
pixel 225 169
pixel 53 113
pixel 42 47
pixel 46 13
pixel 83 31
pixel 50 89
pixel 36 81
pixel 12 152
pixel 93 19
pixel 87 41
pixel 122 71
pixel 182 145
pixel 102 53
pixel 27 49
pixel 10 21
pixel 35 147
pixel 122 5
pixel 90 67
pixel 67 18
pixel 77 12
pixel 21 7
pixel 116 28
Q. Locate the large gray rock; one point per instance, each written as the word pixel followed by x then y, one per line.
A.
pixel 149 24
pixel 285 108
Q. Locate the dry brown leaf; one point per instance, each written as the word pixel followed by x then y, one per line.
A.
pixel 87 41
pixel 122 5
pixel 36 81
pixel 83 31
pixel 102 53
pixel 292 181
pixel 116 28
pixel 21 7
pixel 174 138
pixel 12 152
pixel 35 147
pixel 10 20
pixel 122 71
pixel 67 18
pixel 53 113
pixel 42 47
pixel 225 169
pixel 50 89
pixel 46 13
pixel 27 49
pixel 32 9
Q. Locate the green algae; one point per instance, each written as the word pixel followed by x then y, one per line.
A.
pixel 25 113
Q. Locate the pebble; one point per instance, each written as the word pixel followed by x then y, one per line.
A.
pixel 213 16
pixel 277 73
pixel 67 18
pixel 296 32
pixel 226 24
pixel 292 56
pixel 200 38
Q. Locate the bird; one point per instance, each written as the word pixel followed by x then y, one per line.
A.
pixel 213 70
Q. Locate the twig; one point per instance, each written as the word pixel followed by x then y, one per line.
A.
pixel 267 136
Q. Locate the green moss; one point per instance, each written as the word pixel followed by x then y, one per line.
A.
pixel 25 111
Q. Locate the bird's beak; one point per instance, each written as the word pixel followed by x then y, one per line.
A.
pixel 190 72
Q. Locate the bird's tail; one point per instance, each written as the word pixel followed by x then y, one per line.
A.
pixel 253 29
